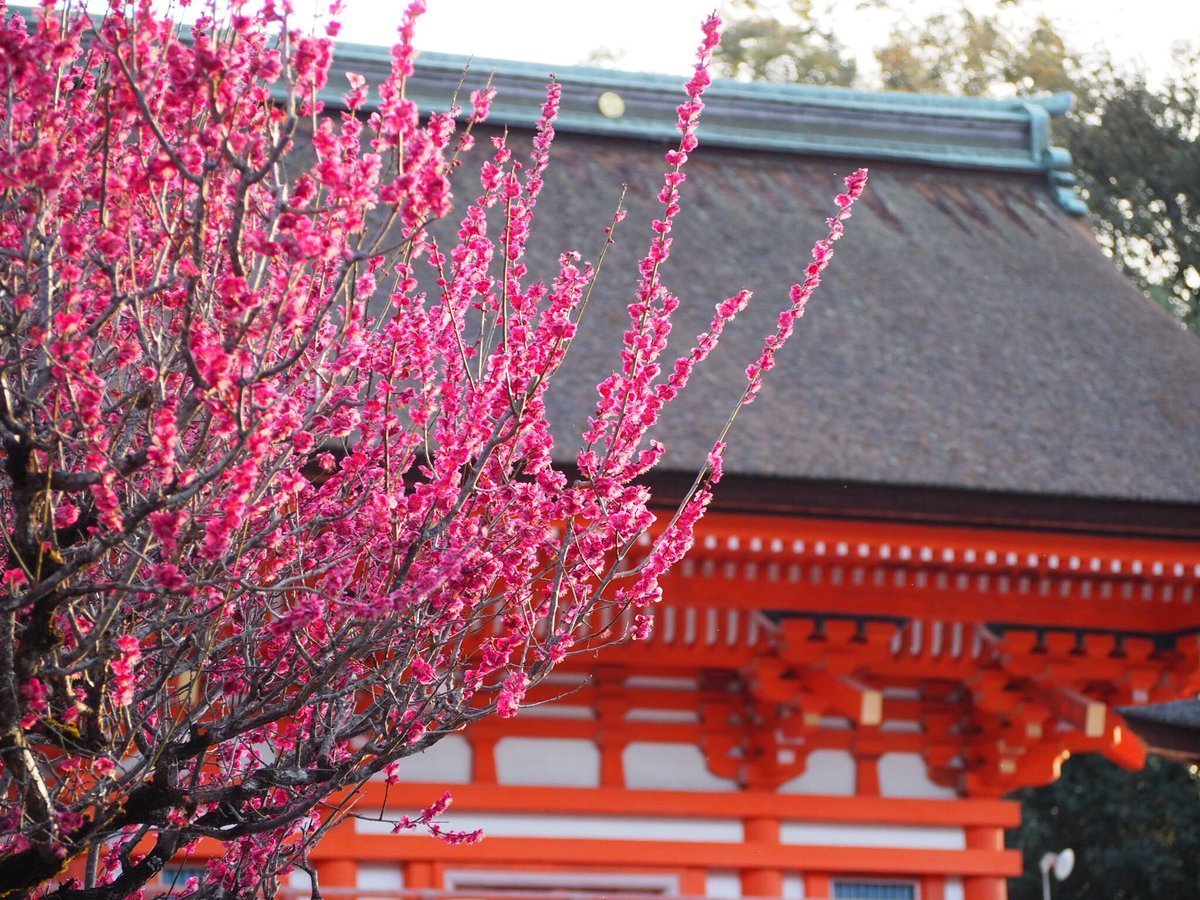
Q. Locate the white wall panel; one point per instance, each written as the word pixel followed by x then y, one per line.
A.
pixel 905 775
pixel 837 834
pixel 555 762
pixel 448 761
pixel 662 682
pixel 793 886
pixel 558 711
pixel 723 886
pixel 506 880
pixel 829 772
pixel 380 877
pixel 649 714
pixel 670 767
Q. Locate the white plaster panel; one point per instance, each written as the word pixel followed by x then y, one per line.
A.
pixel 650 765
pixel 555 762
pixel 954 889
pixel 719 885
pixel 446 762
pixel 901 726
pixel 617 828
pixel 557 711
pixel 793 886
pixel 380 877
pixel 646 714
pixel 905 775
pixel 829 772
pixel 384 824
pixel 297 880
pixel 661 682
pixel 905 837
pixel 569 678
pixel 476 879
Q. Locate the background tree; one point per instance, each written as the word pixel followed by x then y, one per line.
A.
pixel 1136 149
pixel 276 515
pixel 1134 144
pixel 976 55
pixel 1135 834
pixel 783 42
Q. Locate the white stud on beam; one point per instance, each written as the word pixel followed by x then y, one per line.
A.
pixel 845 695
pixel 1088 715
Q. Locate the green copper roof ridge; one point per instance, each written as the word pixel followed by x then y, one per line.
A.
pixel 955 132
pixel 1055 103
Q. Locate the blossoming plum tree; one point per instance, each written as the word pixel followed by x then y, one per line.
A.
pixel 276 515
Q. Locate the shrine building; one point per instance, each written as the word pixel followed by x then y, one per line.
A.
pixel 958 529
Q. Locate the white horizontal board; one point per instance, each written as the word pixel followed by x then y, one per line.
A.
pixel 617 828
pixel 904 837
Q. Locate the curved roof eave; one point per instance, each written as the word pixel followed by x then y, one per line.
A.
pixel 954 132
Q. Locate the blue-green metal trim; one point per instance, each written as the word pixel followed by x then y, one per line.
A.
pixel 954 132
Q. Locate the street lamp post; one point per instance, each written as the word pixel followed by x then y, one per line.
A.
pixel 1060 864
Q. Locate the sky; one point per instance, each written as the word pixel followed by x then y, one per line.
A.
pixel 659 35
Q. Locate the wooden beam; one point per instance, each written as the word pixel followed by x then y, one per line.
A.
pixel 623 854
pixel 705 804
pixel 947 603
pixel 1040 544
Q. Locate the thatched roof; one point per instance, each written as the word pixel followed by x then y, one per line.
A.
pixel 970 335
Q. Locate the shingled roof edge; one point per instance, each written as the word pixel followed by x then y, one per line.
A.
pixel 955 132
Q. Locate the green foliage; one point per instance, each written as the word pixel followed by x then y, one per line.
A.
pixel 760 46
pixel 962 52
pixel 1136 835
pixel 1136 147
pixel 955 52
pixel 1137 154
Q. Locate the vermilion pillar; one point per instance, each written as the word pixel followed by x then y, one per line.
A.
pixel 762 882
pixel 986 887
pixel 933 887
pixel 817 884
pixel 337 873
